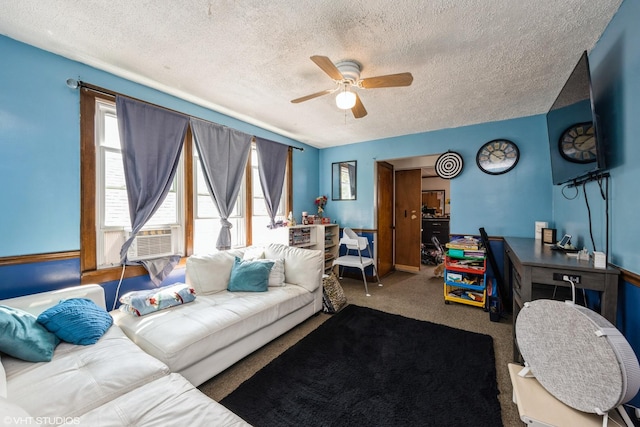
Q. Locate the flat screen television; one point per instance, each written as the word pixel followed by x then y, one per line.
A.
pixel 575 139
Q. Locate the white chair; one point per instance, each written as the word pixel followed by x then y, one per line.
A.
pixel 353 242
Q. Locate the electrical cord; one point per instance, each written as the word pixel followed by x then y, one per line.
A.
pixel 567 197
pixel 115 299
pixel 605 196
pixel 586 201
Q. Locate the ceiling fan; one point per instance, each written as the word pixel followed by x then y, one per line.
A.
pixel 346 75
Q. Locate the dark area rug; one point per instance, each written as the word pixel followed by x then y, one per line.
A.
pixel 364 367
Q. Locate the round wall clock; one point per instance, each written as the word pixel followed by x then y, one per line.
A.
pixel 497 156
pixel 578 143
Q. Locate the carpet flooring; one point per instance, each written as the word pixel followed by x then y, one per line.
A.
pixel 368 367
pixel 415 295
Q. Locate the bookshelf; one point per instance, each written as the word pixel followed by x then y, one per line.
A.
pixel 322 237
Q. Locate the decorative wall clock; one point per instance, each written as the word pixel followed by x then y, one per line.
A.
pixel 578 143
pixel 498 156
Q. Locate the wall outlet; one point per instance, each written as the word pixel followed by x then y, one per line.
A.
pixel 564 277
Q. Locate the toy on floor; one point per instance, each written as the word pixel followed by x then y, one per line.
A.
pixel 439 270
pixel 432 256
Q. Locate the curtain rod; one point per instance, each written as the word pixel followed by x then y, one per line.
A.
pixel 74 84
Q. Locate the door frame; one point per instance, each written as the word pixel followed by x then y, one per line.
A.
pixel 378 206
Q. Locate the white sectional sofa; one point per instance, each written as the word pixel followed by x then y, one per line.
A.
pixel 115 383
pixel 110 383
pixel 202 338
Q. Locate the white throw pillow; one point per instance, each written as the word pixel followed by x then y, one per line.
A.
pixel 303 267
pixel 209 274
pixel 253 252
pixel 276 274
pixel 276 277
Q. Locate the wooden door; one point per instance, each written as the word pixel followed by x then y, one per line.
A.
pixel 408 215
pixel 384 213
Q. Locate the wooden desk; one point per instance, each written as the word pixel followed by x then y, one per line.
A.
pixel 529 262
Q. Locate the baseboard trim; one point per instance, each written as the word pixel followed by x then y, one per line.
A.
pixel 407 268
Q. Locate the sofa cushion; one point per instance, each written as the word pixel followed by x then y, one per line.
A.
pixel 13 412
pixel 151 404
pixel 23 337
pixel 209 273
pixel 250 276
pixel 81 378
pixel 139 303
pixel 183 337
pixel 76 320
pixel 303 267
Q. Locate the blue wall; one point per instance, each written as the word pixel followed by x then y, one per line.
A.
pixel 40 163
pixel 615 70
pixel 505 205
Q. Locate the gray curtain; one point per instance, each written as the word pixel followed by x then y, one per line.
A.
pixel 223 156
pixel 151 138
pixel 272 163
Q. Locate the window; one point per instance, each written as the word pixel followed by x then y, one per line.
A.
pixel 207 218
pixel 188 209
pixel 260 217
pixel 114 222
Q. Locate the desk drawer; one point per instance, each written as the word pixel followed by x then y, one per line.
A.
pixel 516 280
pixel 588 280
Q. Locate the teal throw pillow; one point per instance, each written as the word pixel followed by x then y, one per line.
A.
pixel 249 276
pixel 76 320
pixel 22 337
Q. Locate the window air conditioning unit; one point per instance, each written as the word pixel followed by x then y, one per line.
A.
pixel 149 244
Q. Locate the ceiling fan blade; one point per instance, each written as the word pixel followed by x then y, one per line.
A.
pixel 327 66
pixel 313 95
pixel 391 80
pixel 358 110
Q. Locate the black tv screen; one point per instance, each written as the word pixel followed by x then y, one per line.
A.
pixel 576 145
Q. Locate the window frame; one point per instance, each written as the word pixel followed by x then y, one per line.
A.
pixel 103 110
pixel 88 194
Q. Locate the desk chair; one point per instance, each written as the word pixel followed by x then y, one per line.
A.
pixel 353 242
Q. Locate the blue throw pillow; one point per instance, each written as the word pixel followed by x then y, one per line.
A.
pixel 249 276
pixel 76 320
pixel 22 337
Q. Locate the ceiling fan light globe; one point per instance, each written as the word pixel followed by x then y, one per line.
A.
pixel 346 100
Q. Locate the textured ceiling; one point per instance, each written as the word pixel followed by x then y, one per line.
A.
pixel 472 61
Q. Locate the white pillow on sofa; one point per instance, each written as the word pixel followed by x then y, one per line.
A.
pixel 253 252
pixel 209 274
pixel 276 275
pixel 303 267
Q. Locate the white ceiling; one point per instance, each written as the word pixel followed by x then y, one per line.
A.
pixel 472 61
